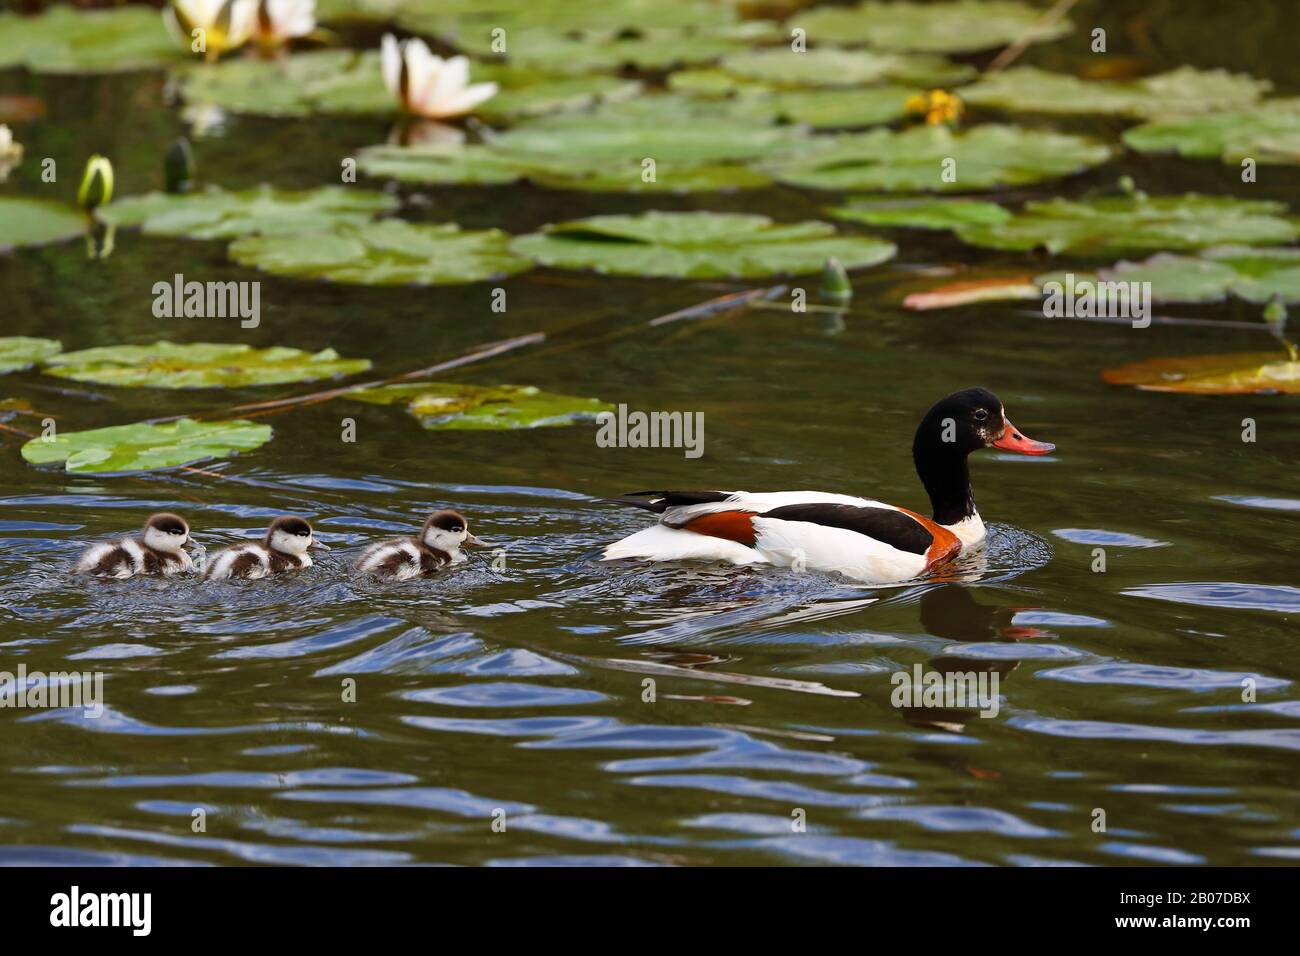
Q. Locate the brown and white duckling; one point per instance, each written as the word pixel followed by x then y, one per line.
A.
pixel 284 548
pixel 159 549
pixel 437 546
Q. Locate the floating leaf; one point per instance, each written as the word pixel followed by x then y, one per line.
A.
pixel 469 22
pixel 348 82
pixel 821 109
pixel 145 447
pixel 199 365
pixel 1121 225
pixel 1244 373
pixel 698 245
pixel 448 405
pixel 19 352
pixel 216 214
pixel 1256 275
pixel 922 213
pixel 999 289
pixel 785 67
pixel 35 222
pixel 916 159
pixel 611 50
pixel 64 40
pixel 1267 133
pixel 390 252
pixel 1184 90
pixel 962 26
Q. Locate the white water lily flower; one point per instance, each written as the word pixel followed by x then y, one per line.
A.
pixel 225 24
pixel 428 85
pixel 9 150
pixel 279 21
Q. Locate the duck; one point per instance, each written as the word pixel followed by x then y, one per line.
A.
pixel 436 547
pixel 859 538
pixel 158 549
pixel 284 548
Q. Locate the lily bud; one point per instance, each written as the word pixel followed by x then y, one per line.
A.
pixel 178 167
pixel 97 168
pixel 835 281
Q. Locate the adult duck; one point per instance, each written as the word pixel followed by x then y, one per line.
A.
pixel 860 538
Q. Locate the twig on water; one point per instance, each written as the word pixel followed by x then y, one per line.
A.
pixel 723 303
pixel 1010 54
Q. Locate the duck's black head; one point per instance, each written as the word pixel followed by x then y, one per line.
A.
pixel 955 426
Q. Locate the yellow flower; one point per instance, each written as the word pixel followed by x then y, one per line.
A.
pixel 938 106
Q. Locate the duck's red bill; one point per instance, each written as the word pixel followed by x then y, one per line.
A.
pixel 1012 440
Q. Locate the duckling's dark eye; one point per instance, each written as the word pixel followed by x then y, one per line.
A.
pixel 981 414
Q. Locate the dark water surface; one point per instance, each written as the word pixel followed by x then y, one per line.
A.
pixel 522 690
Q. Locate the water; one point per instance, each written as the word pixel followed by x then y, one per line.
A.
pixel 521 691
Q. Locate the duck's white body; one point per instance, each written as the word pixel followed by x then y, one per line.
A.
pixel 798 544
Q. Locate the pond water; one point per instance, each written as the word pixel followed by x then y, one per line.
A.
pixel 523 689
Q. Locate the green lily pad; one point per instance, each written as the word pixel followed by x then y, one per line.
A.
pixel 216 214
pixel 1267 133
pixel 348 82
pixel 820 109
pixel 922 213
pixel 449 405
pixel 962 26
pixel 1123 225
pixel 913 160
pixel 1178 92
pixel 698 245
pixel 1255 275
pixel 1242 373
pixel 35 222
pixel 610 50
pixel 390 252
pixel 199 365
pixel 65 40
pixel 467 22
pixel 19 352
pixel 783 66
pixel 145 447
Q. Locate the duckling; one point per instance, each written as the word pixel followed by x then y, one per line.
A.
pixel 284 548
pixel 438 546
pixel 159 549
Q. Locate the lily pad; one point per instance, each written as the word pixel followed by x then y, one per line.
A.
pixel 35 222
pixel 1255 275
pixel 390 252
pixel 348 82
pixel 467 22
pixel 1178 92
pixel 782 66
pixel 922 213
pixel 449 405
pixel 146 447
pixel 65 40
pixel 916 159
pixel 199 365
pixel 996 289
pixel 962 26
pixel 1244 373
pixel 1123 225
pixel 1267 133
pixel 19 352
pixel 216 214
pixel 820 109
pixel 611 50
pixel 698 245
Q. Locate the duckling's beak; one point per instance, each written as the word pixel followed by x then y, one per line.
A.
pixel 317 546
pixel 472 542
